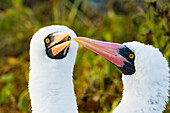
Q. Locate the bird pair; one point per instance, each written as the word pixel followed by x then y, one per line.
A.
pixel 53 52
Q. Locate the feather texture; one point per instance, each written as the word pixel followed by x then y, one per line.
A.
pixel 146 91
pixel 50 80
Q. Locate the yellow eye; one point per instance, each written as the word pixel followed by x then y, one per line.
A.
pixel 47 40
pixel 131 56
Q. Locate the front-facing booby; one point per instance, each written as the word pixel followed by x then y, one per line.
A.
pixel 52 58
pixel 145 74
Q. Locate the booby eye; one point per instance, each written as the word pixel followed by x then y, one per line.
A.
pixel 47 40
pixel 131 56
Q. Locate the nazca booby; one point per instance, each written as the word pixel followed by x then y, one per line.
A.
pixel 145 74
pixel 52 58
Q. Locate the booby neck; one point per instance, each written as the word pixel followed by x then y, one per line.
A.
pixel 50 80
pixel 54 96
pixel 143 96
pixel 146 91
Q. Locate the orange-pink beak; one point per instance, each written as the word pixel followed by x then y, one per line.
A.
pixel 118 54
pixel 108 50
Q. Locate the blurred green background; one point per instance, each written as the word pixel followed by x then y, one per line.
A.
pixel 98 84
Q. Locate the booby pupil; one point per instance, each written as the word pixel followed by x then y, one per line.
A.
pixel 47 40
pixel 131 56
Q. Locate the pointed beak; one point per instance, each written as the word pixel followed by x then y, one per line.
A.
pixel 61 41
pixel 57 44
pixel 57 49
pixel 108 50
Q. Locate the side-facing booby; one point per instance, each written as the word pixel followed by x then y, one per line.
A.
pixel 145 74
pixel 52 58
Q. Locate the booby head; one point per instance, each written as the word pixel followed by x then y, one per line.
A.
pixel 52 58
pixel 53 43
pixel 57 44
pixel 145 74
pixel 120 55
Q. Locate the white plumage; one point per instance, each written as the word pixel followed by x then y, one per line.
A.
pixel 145 74
pixel 146 91
pixel 50 80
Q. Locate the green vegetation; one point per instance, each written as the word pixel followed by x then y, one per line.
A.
pixel 97 82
